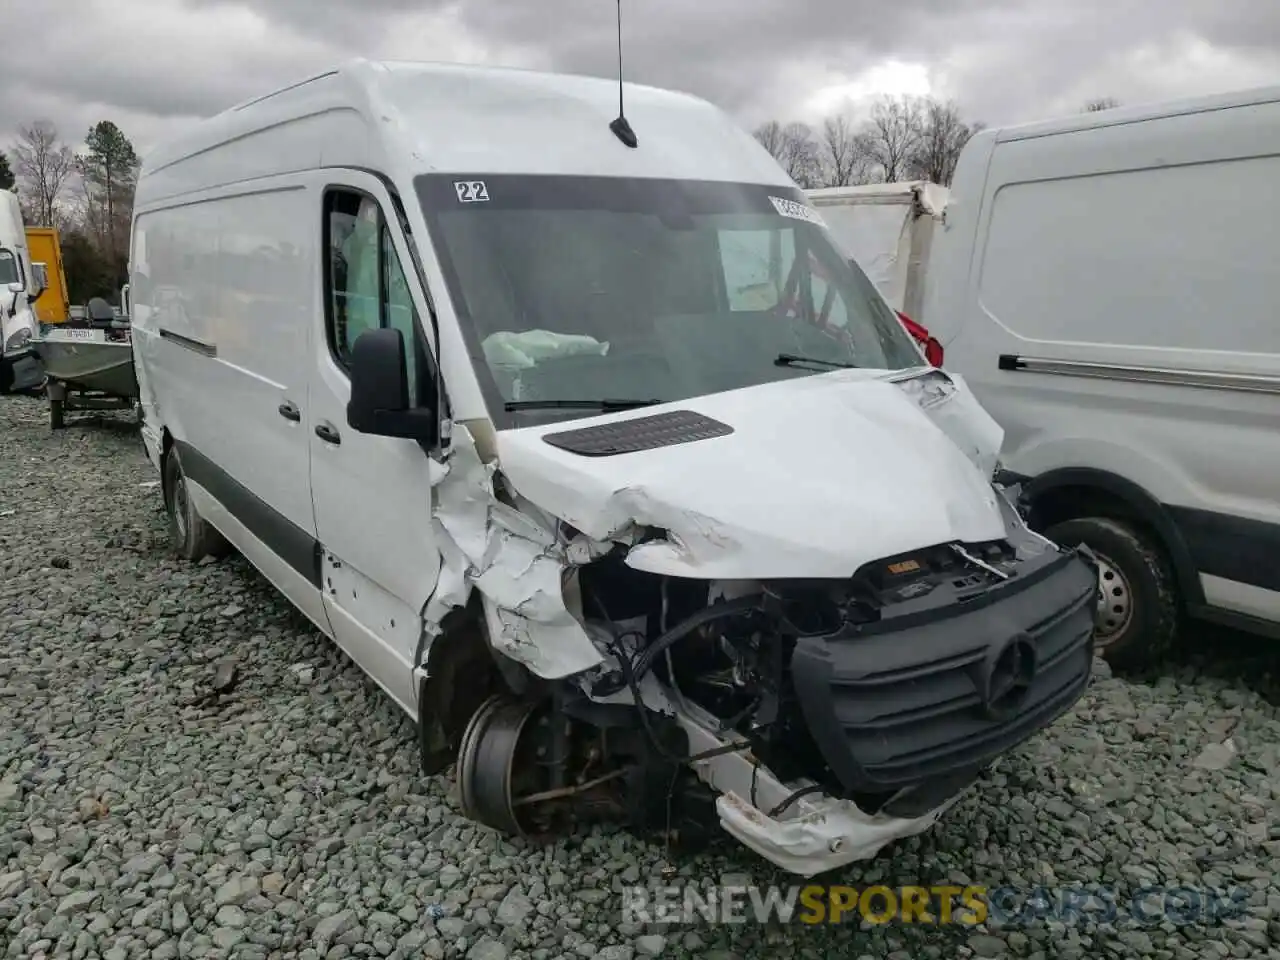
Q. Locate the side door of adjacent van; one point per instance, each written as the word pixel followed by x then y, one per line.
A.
pixel 372 495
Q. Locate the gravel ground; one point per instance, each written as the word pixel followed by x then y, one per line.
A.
pixel 290 819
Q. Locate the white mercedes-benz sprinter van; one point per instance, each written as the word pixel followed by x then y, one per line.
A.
pixel 1107 284
pixel 582 438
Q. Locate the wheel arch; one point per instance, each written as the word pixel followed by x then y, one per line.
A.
pixel 1070 492
pixel 458 675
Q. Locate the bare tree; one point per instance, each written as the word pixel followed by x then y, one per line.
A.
pixel 891 137
pixel 1100 104
pixel 845 164
pixel 943 135
pixel 795 149
pixel 43 165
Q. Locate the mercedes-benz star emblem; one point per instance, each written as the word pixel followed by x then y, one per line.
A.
pixel 1004 677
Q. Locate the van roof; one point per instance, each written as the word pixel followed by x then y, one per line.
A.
pixel 404 119
pixel 1135 114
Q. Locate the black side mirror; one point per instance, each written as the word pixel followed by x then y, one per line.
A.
pixel 379 403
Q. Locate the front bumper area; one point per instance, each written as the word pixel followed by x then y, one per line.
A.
pixel 815 834
pixel 911 708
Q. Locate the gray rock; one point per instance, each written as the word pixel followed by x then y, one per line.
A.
pixel 144 864
pixel 230 916
pixel 651 945
pixel 11 883
pixel 487 949
pixel 1216 756
pixel 983 945
pixel 514 910
pixel 235 891
pixel 78 901
pixel 225 938
pixel 451 927
pixel 332 927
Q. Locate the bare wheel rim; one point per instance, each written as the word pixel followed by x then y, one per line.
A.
pixel 1115 602
pixel 492 761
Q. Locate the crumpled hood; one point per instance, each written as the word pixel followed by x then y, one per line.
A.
pixel 820 475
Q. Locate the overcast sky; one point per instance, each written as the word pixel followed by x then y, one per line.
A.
pixel 154 65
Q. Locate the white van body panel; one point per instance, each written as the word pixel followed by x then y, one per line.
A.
pixel 1122 264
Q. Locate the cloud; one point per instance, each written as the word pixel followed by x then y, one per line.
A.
pixel 155 65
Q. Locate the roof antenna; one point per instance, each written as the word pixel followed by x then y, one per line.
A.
pixel 621 129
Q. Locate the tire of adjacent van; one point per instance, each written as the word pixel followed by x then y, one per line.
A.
pixel 1138 610
pixel 192 537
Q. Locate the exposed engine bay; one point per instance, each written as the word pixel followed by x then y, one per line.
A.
pixel 803 614
pixel 885 694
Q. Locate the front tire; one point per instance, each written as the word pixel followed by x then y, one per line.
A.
pixel 191 536
pixel 1138 611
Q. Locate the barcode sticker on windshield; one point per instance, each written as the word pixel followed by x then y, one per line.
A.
pixel 796 211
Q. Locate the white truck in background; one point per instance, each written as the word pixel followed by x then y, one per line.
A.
pixel 887 229
pixel 20 285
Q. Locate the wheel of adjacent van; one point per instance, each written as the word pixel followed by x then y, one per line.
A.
pixel 191 535
pixel 1137 603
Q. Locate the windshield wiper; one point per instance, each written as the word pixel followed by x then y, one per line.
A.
pixel 603 404
pixel 791 359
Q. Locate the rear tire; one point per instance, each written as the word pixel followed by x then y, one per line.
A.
pixel 57 414
pixel 1138 610
pixel 192 537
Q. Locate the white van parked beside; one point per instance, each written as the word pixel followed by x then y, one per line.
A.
pixel 393 326
pixel 1107 284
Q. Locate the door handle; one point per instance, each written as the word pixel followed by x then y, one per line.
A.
pixel 290 411
pixel 328 433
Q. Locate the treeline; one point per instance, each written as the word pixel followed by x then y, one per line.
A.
pixel 902 138
pixel 86 193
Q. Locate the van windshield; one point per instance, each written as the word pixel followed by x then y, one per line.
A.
pixel 8 268
pixel 585 289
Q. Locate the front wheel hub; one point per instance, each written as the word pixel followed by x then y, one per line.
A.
pixel 497 764
pixel 1115 602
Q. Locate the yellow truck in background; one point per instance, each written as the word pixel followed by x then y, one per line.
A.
pixel 53 305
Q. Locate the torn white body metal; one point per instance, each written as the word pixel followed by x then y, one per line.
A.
pixel 811 438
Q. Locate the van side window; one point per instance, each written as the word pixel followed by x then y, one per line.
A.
pixel 366 285
pixel 399 311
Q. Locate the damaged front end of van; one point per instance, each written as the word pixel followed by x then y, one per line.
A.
pixel 801 611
